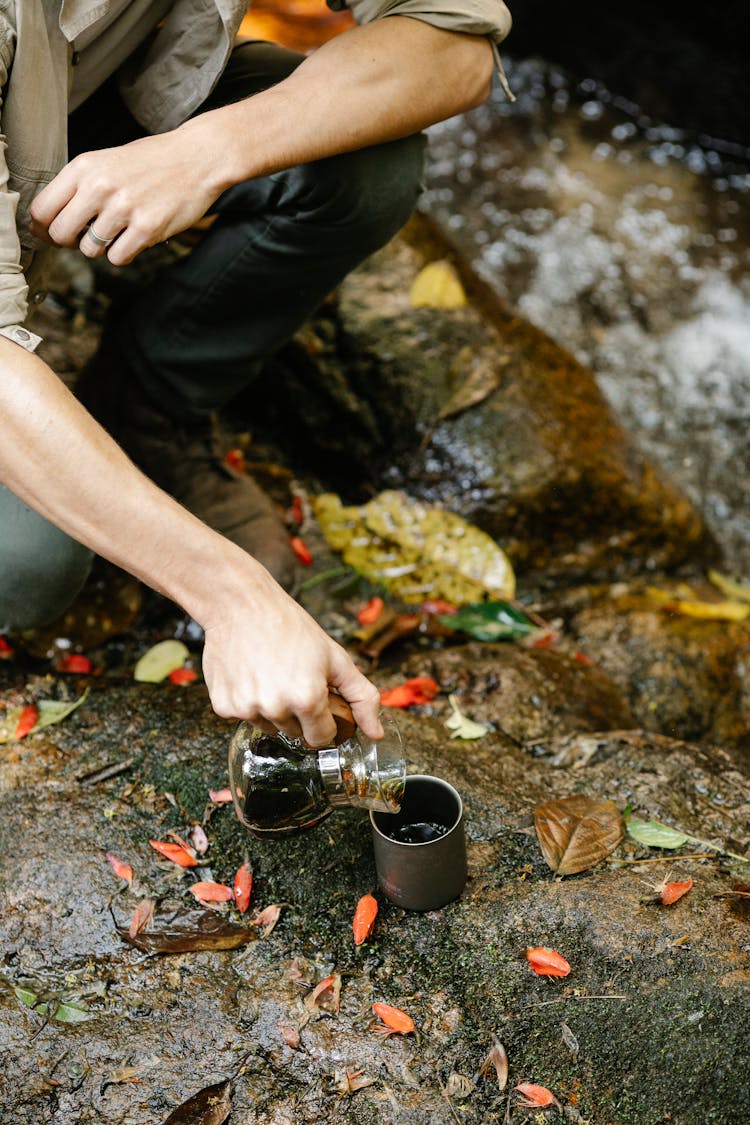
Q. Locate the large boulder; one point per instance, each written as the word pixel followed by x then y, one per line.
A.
pixel 539 462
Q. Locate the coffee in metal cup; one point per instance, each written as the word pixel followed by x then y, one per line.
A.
pixel 420 852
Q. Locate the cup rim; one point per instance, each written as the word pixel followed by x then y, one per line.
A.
pixel 423 843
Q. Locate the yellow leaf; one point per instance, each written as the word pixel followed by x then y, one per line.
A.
pixel 156 664
pixel 736 591
pixel 416 551
pixel 707 611
pixel 461 725
pixel 437 286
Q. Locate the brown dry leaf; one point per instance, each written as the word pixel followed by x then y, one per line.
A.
pixel 349 1081
pixel 210 1106
pixel 326 996
pixel 577 832
pixel 498 1057
pixel 483 377
pixel 458 1086
pixel 142 915
pixel 267 919
pixel 190 930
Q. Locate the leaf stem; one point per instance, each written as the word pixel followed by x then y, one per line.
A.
pixel 563 999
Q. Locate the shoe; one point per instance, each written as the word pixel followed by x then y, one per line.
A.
pixel 187 460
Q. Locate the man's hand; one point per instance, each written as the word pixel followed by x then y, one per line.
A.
pixel 265 658
pixel 132 196
pixel 288 666
pixel 375 83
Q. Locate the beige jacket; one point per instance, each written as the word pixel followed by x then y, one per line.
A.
pixel 167 84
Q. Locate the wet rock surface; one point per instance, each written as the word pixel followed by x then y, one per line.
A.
pixel 648 982
pixel 540 464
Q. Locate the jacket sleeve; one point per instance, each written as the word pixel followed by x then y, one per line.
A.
pixel 489 18
pixel 13 287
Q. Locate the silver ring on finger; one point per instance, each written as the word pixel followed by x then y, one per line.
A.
pixel 97 238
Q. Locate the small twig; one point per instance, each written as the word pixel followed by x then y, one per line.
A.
pixel 563 999
pixel 324 576
pixel 94 777
pixel 661 859
pixel 532 616
pixel 450 1105
pixel 732 894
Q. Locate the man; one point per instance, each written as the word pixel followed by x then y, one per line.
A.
pixel 309 165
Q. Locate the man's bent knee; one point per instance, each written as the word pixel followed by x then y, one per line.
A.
pixel 369 193
pixel 41 569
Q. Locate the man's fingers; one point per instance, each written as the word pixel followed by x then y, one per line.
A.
pixel 361 695
pixel 94 241
pixel 51 200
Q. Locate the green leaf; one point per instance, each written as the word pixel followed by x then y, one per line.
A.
pixel 655 835
pixel 490 621
pixel 26 996
pixel 53 711
pixel 50 711
pixel 156 664
pixel 70 1012
pixel 415 550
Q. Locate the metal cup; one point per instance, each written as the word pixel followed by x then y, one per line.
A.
pixel 421 876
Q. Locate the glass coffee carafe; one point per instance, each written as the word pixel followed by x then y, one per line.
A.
pixel 281 786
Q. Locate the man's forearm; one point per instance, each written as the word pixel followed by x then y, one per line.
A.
pixel 57 458
pixel 376 83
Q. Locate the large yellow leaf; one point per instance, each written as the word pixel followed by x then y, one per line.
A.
pixel 416 551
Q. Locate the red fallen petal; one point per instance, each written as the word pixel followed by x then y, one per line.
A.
pixel 220 796
pixel 301 550
pixel 582 658
pixel 27 720
pixel 235 458
pixel 364 918
pixel 394 1018
pixel 243 887
pixel 421 689
pixel 672 891
pixel 76 663
pixel 535 1095
pixel 547 963
pixel 369 613
pixel 295 513
pixel 446 609
pixel 212 892
pixel 141 916
pixel 175 852
pixel 6 652
pixel 183 676
pixel 121 869
pixel 545 638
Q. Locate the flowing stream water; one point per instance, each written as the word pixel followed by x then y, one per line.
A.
pixel 628 241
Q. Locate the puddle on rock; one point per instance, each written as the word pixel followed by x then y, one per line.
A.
pixel 629 243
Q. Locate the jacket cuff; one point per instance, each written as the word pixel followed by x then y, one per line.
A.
pixel 20 335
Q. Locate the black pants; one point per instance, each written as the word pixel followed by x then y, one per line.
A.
pixel 195 336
